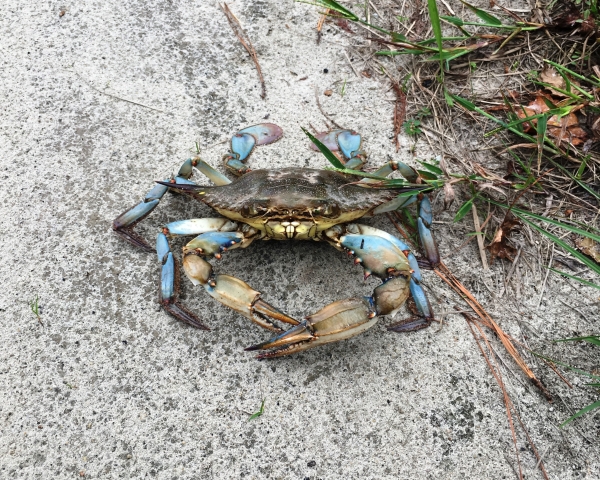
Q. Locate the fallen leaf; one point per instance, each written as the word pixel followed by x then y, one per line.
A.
pixel 589 247
pixel 499 248
pixel 551 76
pixel 449 195
pixel 563 129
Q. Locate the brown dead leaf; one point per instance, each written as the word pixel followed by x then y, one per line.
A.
pixel 551 76
pixel 399 112
pixel 449 195
pixel 569 17
pixel 499 248
pixel 589 247
pixel 344 25
pixel 563 129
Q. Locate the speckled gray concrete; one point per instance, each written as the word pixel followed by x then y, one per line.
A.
pixel 112 387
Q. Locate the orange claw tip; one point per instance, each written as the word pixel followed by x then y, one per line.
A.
pixel 357 261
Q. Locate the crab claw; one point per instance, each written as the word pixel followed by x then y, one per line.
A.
pixel 376 254
pixel 264 133
pixel 244 141
pixel 345 141
pixel 234 293
pixel 238 295
pixel 337 321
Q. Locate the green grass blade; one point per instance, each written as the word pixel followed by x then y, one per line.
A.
pixel 453 20
pixel 566 226
pixel 464 209
pixel 446 55
pixel 432 168
pixel 581 412
pixel 576 370
pixel 593 339
pixel 551 148
pixel 582 167
pixel 436 25
pixel 541 135
pixel 486 17
pixel 572 73
pixel 324 150
pixel 333 6
pixel 578 255
pixel 573 277
pixel 572 177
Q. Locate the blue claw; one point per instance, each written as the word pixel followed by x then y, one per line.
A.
pixel 354 163
pixel 349 143
pixel 196 226
pixel 135 214
pixel 237 166
pixel 329 139
pixel 242 145
pixel 213 243
pixel 264 133
pixel 425 211
pixel 377 254
pixel 167 279
pixel 162 247
pixel 420 299
pixel 429 245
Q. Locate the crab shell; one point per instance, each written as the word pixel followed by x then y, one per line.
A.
pixel 294 203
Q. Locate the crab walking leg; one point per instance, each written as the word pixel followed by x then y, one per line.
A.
pixel 169 284
pixel 228 290
pixel 243 143
pixel 380 255
pixel 124 223
pixel 346 141
pixel 425 212
pixel 169 277
pixel 424 226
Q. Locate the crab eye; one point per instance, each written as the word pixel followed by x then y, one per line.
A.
pixel 252 211
pixel 331 211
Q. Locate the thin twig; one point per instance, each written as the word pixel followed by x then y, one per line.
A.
pixel 115 97
pixel 399 112
pixel 245 41
pixel 545 279
pixel 351 66
pixel 445 274
pixel 479 238
pixel 323 112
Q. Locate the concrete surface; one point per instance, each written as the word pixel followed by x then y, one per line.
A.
pixel 112 387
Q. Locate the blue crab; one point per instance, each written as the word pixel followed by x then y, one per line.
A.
pixel 290 204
